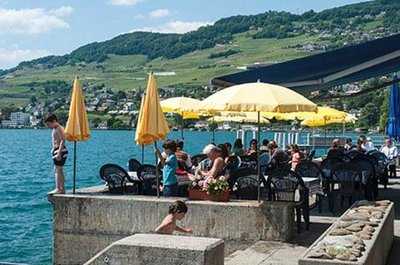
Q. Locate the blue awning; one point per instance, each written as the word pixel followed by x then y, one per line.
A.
pixel 337 67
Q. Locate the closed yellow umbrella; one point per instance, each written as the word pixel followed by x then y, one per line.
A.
pixel 152 125
pixel 77 128
pixel 180 105
pixel 326 116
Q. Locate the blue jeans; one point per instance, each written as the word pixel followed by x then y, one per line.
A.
pixel 170 190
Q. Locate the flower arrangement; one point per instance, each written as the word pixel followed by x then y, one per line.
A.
pixel 212 186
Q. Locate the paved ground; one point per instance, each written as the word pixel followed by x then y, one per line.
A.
pixel 278 253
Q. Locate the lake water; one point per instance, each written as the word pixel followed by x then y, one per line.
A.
pixel 26 175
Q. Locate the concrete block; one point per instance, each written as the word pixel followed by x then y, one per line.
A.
pixel 143 249
pixel 377 249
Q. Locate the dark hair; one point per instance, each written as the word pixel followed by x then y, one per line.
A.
pixel 253 141
pixel 348 140
pixel 238 143
pixel 265 142
pixel 295 147
pixel 51 118
pixel 177 207
pixel 170 145
pixel 224 150
pixel 179 144
pixel 228 145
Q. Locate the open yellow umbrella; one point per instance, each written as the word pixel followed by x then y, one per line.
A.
pixel 257 97
pixel 180 105
pixel 238 117
pixel 77 128
pixel 152 125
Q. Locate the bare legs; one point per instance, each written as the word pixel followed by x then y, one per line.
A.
pixel 59 176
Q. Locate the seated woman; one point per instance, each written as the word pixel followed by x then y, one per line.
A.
pixel 296 155
pixel 217 169
pixel 184 161
pixel 238 147
pixel 253 148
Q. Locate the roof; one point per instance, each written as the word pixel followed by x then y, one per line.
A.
pixel 341 66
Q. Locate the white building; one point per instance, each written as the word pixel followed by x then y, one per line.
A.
pixel 20 118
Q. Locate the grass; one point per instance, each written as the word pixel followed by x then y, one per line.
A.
pixel 193 69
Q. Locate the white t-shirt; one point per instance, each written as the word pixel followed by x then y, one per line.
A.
pixel 390 152
pixel 368 146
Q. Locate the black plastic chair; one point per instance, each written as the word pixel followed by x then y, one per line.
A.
pixel 308 169
pixel 147 175
pixel 133 165
pixel 235 174
pixel 246 188
pixel 286 185
pixel 115 177
pixel 196 159
pixel 347 177
pixel 380 162
pixel 365 165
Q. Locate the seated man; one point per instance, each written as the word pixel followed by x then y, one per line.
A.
pixel 335 151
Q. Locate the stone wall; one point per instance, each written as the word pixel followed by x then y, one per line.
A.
pixel 84 224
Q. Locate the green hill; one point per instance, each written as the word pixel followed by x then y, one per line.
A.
pixel 186 62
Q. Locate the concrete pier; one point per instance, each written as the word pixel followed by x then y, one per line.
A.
pixel 87 222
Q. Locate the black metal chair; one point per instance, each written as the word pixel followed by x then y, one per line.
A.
pixel 286 185
pixel 248 161
pixel 235 174
pixel 133 165
pixel 311 155
pixel 352 154
pixel 196 159
pixel 115 177
pixel 147 175
pixel 308 169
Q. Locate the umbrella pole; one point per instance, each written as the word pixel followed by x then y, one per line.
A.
pixel 213 132
pixel 74 174
pixel 182 125
pixel 157 175
pixel 258 157
pixel 142 153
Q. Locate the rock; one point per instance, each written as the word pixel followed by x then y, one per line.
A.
pixel 364 235
pixel 357 227
pixel 340 232
pixel 319 254
pixel 368 229
pixel 383 203
pixel 343 224
pixel 356 216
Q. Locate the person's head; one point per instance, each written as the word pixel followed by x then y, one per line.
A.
pixel 265 142
pixel 335 143
pixel 178 209
pixel 253 144
pixel 369 139
pixel 363 139
pixel 169 147
pixel 51 121
pixel 360 142
pixel 224 150
pixel 228 146
pixel 349 141
pixel 238 143
pixel 179 144
pixel 388 142
pixel 212 151
pixel 294 148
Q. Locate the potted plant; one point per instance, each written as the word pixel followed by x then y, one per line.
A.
pixel 210 189
pixel 218 190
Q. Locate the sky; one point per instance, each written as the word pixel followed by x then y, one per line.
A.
pixel 34 28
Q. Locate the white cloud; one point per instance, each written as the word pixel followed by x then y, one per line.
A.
pixel 125 2
pixel 159 13
pixel 175 27
pixel 33 21
pixel 63 11
pixel 12 57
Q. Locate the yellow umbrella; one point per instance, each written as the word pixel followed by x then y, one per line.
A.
pixel 326 116
pixel 239 117
pixel 152 125
pixel 77 128
pixel 180 105
pixel 257 97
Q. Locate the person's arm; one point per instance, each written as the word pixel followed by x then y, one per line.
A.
pixel 216 168
pixel 183 229
pixel 61 146
pixel 160 157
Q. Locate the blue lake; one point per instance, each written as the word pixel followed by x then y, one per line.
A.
pixel 26 175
